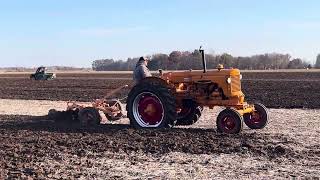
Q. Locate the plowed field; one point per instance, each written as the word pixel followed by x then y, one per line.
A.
pixel 275 90
pixel 35 147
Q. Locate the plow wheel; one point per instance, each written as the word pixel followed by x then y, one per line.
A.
pixel 229 121
pixel 189 115
pixel 151 106
pixel 52 114
pixel 89 116
pixel 258 119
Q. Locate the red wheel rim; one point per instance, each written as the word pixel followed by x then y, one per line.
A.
pixel 148 110
pixel 228 124
pixel 255 118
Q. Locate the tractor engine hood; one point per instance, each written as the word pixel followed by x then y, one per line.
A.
pixel 227 79
pixel 199 74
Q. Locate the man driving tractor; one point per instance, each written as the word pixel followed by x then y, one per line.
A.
pixel 141 71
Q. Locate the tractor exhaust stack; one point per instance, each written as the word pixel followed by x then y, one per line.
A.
pixel 204 64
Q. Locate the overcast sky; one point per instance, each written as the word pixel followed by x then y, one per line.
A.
pixel 76 32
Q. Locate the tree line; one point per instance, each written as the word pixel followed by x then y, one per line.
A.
pixel 181 60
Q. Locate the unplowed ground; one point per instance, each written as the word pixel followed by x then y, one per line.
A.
pixel 34 147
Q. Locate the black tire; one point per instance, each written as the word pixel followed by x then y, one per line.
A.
pixel 89 116
pixel 259 119
pixel 229 121
pixel 52 114
pixel 163 100
pixel 189 116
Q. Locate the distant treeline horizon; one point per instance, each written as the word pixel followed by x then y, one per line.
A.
pixel 49 68
pixel 181 60
pixel 185 60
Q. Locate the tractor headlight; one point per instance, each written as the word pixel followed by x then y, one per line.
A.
pixel 240 77
pixel 229 80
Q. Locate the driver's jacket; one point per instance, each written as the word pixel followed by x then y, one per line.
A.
pixel 140 72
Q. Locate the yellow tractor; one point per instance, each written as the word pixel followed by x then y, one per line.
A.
pixel 178 98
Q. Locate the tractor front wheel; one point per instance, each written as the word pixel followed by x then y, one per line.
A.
pixel 258 119
pixel 229 121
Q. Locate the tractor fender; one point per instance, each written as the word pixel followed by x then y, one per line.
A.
pixel 155 81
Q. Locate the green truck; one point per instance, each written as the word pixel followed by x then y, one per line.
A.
pixel 41 74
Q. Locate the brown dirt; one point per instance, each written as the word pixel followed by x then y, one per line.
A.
pixel 59 89
pixel 275 90
pixel 36 147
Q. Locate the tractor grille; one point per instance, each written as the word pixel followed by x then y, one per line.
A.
pixel 235 83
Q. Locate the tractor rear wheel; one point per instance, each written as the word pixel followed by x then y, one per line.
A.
pixel 151 106
pixel 89 116
pixel 258 119
pixel 189 115
pixel 229 121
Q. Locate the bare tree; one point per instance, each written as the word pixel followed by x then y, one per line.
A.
pixel 183 60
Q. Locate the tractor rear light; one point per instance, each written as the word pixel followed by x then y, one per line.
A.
pixel 229 80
